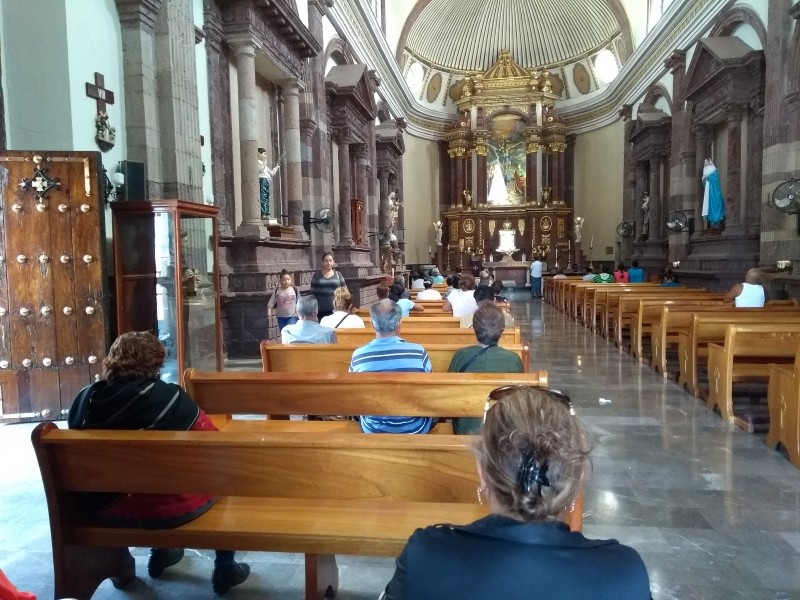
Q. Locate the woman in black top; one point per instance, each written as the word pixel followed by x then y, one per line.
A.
pixel 324 283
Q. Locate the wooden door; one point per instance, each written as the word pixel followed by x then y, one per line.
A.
pixel 53 303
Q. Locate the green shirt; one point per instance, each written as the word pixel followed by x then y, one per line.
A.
pixel 494 360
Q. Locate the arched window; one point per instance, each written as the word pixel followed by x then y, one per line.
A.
pixel 656 8
pixel 605 66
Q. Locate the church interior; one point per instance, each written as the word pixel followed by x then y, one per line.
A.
pixel 163 161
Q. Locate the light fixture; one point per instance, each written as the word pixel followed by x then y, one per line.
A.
pixel 114 187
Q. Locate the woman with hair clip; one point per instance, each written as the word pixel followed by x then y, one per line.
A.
pixel 533 458
pixel 324 283
pixel 342 317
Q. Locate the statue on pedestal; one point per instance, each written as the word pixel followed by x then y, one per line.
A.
pixel 265 175
pixel 437 227
pixel 646 215
pixel 578 227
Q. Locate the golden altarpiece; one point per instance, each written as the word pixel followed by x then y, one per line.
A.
pixel 507 172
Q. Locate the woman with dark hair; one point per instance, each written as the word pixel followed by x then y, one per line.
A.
pixel 406 305
pixel 133 397
pixel 533 458
pixel 324 283
pixel 621 274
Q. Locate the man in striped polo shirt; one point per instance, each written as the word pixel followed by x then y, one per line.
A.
pixel 389 352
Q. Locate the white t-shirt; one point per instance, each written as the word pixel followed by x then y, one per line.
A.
pixel 418 284
pixel 536 268
pixel 350 321
pixel 429 295
pixel 463 302
pixel 752 296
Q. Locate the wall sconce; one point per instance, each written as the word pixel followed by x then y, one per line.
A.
pixel 114 187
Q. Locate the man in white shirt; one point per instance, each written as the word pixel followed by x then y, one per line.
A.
pixel 428 293
pixel 536 278
pixel 749 294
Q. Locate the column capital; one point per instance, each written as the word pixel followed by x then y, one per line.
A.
pixel 734 112
pixel 320 5
pixel 243 44
pixel 140 14
pixel 292 86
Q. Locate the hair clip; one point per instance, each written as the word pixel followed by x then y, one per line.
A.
pixel 532 473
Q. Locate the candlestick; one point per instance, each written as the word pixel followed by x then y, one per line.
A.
pixel 591 243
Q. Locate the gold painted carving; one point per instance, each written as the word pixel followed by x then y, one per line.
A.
pixel 454 229
pixel 491 228
pixel 521 226
pixel 560 228
pixel 546 240
pixel 545 223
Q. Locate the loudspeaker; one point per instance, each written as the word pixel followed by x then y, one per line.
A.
pixel 135 180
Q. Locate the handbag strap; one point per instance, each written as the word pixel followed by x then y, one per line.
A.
pixel 475 357
pixel 340 322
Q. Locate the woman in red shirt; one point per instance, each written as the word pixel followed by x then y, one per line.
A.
pixel 621 274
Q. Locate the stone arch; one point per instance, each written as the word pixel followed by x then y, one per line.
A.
pixel 728 21
pixel 658 91
pixel 339 50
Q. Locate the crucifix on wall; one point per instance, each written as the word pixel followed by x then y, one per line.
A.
pixel 105 135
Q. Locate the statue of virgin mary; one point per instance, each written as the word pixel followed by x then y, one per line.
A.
pixel 498 192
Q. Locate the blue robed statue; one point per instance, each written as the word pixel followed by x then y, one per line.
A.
pixel 713 202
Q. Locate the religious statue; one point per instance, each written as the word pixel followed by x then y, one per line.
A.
pixel 467 199
pixel 646 215
pixel 393 211
pixel 265 175
pixel 713 202
pixel 498 192
pixel 105 134
pixel 519 180
pixel 546 195
pixel 578 228
pixel 437 227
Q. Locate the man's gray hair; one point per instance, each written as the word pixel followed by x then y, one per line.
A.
pixel 385 316
pixel 488 322
pixel 307 306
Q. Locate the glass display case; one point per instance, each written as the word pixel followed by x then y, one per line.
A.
pixel 167 280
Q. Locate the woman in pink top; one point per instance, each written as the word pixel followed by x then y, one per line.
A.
pixel 621 274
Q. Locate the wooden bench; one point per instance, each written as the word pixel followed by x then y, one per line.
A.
pixel 426 335
pixel 745 356
pixel 278 395
pixel 710 328
pixel 316 494
pixel 305 358
pixel 674 320
pixel 430 311
pixel 601 303
pixel 783 398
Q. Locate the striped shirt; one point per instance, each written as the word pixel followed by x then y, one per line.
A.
pixel 392 354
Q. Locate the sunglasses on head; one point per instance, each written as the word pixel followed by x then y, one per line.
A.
pixel 498 394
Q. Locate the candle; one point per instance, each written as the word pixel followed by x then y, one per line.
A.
pixel 569 245
pixel 591 242
pixel 429 250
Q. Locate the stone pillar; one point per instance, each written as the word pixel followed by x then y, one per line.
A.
pixel 562 175
pixel 481 180
pixel 383 184
pixel 445 177
pixel 656 199
pixel 531 176
pixel 137 23
pixel 361 174
pixel 551 174
pixel 556 194
pixel 569 171
pixel 245 49
pixel 345 233
pixel 453 200
pixel 755 152
pixel 733 193
pixel 294 164
pixel 702 152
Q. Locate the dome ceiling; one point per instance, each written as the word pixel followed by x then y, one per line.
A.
pixel 466 35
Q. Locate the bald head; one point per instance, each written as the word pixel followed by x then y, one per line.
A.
pixel 753 276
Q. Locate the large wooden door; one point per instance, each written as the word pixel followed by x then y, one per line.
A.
pixel 53 303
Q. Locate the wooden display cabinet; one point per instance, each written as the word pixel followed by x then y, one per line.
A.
pixel 167 280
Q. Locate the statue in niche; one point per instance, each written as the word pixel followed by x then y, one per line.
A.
pixel 578 228
pixel 437 227
pixel 646 215
pixel 713 203
pixel 265 176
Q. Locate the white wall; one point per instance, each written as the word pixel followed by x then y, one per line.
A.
pixel 599 187
pixel 420 197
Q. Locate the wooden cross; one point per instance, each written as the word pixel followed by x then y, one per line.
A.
pixel 99 93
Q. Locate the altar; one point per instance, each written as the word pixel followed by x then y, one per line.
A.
pixel 515 270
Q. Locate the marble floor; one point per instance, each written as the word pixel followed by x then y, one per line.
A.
pixel 714 513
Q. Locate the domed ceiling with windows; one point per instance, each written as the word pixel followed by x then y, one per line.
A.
pixel 582 42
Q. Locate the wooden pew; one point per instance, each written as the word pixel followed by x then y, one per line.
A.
pixel 783 398
pixel 279 395
pixel 745 356
pixel 597 300
pixel 430 311
pixel 305 358
pixel 317 494
pixel 674 320
pixel 710 328
pixel 426 335
pixel 627 305
pixel 585 294
pixel 649 312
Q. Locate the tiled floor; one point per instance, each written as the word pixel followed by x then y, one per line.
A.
pixel 713 511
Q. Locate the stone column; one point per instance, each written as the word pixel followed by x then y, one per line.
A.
pixel 755 151
pixel 453 201
pixel 702 152
pixel 656 200
pixel 294 161
pixel 361 163
pixel 245 49
pixel 531 176
pixel 569 171
pixel 137 23
pixel 481 184
pixel 562 175
pixel 556 194
pixel 345 232
pixel 551 173
pixel 733 193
